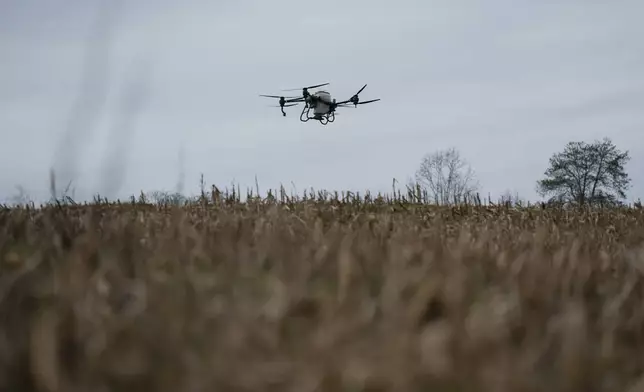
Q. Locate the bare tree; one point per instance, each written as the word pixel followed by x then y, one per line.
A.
pixel 167 198
pixel 511 199
pixel 447 177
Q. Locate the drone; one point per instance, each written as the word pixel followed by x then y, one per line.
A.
pixel 320 101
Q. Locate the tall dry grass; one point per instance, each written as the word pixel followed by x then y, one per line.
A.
pixel 368 294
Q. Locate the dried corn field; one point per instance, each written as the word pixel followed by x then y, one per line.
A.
pixel 318 295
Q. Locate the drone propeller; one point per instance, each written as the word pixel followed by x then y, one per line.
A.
pixel 282 100
pixel 359 91
pixel 363 102
pixel 309 87
pixel 355 98
pixel 354 104
pixel 280 97
pixel 305 90
pixel 285 105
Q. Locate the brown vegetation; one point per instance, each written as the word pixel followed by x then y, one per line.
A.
pixel 310 295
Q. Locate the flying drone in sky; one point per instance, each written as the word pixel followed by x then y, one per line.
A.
pixel 320 101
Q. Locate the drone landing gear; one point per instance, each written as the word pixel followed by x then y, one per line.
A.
pixel 324 119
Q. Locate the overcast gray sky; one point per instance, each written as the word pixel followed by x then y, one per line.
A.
pixel 507 83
